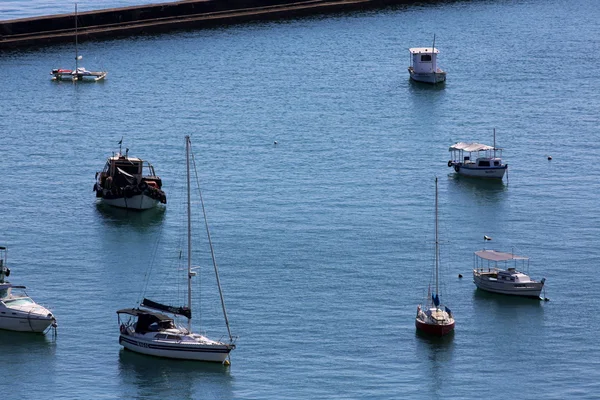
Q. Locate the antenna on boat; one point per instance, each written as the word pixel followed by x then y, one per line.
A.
pixel 76 50
pixel 494 142
pixel 433 58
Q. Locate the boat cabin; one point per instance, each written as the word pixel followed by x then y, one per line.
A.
pixel 124 170
pixel 423 60
pixel 476 155
pixel 148 321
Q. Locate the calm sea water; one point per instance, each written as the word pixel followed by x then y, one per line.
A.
pixel 325 240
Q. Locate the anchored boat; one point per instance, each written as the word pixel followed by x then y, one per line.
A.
pixel 477 160
pixel 18 311
pixel 509 280
pixel 129 182
pixel 79 73
pixel 423 65
pixel 433 317
pixel 157 334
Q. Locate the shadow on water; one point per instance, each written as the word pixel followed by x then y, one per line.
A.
pixel 156 377
pixel 417 87
pixel 139 219
pixel 435 352
pixel 487 189
pixel 26 343
pixel 504 300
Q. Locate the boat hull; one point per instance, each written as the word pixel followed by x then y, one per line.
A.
pixel 24 323
pixel 196 352
pixel 478 172
pixel 527 289
pixel 430 77
pixel 434 329
pixel 137 202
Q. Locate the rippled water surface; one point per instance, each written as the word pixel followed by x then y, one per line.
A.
pixel 325 239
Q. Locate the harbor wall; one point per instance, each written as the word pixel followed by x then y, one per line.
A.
pixel 191 14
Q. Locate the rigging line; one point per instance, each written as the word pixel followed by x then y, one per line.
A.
pixel 148 272
pixel 212 252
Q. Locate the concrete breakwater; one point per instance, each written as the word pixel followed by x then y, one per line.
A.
pixel 191 14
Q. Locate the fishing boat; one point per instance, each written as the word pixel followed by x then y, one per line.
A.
pixel 423 65
pixel 487 163
pixel 150 329
pixel 79 73
pixel 508 280
pixel 129 182
pixel 18 312
pixel 433 317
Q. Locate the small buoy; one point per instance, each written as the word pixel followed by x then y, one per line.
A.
pixel 546 299
pixel 485 237
pixel 226 362
pixel 460 275
pixel 275 142
pixel 549 158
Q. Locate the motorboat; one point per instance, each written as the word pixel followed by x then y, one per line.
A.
pixel 508 280
pixel 433 317
pixel 79 73
pixel 18 311
pixel 423 65
pixel 477 160
pixel 129 182
pixel 149 329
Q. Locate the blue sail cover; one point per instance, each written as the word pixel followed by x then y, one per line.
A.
pixel 436 300
pixel 448 310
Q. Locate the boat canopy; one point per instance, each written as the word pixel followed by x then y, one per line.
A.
pixel 420 50
pixel 470 147
pixel 493 255
pixel 136 312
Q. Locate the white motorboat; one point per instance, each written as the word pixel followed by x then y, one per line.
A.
pixel 423 65
pixel 433 317
pixel 79 73
pixel 509 280
pixel 487 163
pixel 129 182
pixel 154 333
pixel 18 312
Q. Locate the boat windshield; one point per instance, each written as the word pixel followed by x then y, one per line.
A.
pixel 21 301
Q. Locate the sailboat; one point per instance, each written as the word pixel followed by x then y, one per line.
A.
pixel 434 318
pixel 79 73
pixel 149 329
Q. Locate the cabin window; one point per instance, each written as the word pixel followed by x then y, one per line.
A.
pixel 484 163
pixel 497 163
pixel 160 336
pixel 426 58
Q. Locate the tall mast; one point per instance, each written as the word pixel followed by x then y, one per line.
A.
pixel 437 250
pixel 189 221
pixel 76 50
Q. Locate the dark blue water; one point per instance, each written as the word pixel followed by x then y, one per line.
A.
pixel 325 240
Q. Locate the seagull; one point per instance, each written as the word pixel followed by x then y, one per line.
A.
pixel 485 237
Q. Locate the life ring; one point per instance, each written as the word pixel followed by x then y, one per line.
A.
pixel 457 167
pixel 450 163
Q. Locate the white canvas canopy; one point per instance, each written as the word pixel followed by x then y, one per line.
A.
pixel 470 147
pixel 493 255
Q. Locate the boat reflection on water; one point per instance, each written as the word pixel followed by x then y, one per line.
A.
pixel 155 377
pixel 435 353
pixel 127 217
pixel 14 343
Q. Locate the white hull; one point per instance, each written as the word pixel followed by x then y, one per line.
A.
pixel 137 202
pixel 431 77
pixel 183 351
pixel 479 172
pixel 25 323
pixel 528 289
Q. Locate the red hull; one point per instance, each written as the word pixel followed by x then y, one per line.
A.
pixel 436 330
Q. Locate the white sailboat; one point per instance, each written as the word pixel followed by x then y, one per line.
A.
pixel 18 312
pixel 79 73
pixel 433 317
pixel 146 331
